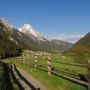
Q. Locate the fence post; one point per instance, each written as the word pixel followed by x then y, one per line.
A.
pixel 35 62
pixel 49 66
pixel 24 59
pixel 88 74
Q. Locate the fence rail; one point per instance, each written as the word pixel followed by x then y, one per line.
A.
pixel 51 69
pixel 84 83
pixel 73 71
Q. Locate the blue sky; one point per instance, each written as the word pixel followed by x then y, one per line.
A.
pixel 53 18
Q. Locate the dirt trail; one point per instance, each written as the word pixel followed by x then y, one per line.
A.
pixel 31 79
pixel 24 85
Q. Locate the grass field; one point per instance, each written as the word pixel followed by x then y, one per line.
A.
pixel 52 82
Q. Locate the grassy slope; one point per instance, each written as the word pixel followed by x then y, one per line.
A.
pixel 52 82
pixel 81 48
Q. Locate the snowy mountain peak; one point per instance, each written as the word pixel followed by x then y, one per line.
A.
pixel 27 29
pixel 27 26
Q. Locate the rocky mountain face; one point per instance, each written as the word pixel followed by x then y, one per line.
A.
pixel 42 42
pixel 30 32
pixel 27 38
pixel 9 45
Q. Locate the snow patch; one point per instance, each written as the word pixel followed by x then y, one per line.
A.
pixel 27 29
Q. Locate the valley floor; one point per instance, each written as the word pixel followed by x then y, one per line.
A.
pixel 28 77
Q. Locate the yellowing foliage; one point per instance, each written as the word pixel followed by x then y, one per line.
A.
pixel 80 50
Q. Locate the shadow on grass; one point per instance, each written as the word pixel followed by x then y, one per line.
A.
pixel 5 81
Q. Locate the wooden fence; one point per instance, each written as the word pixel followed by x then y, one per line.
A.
pixel 53 70
pixel 84 78
pixel 82 75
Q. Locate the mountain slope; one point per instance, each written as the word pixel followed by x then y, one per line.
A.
pixel 11 39
pixel 43 43
pixel 82 47
pixel 61 45
pixel 8 45
pixel 29 31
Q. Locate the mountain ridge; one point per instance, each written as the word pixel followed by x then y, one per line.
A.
pixel 43 41
pixel 29 40
pixel 28 30
pixel 82 46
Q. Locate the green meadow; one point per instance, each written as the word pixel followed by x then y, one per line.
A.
pixel 51 82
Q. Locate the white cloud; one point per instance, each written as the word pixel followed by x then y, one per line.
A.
pixel 66 37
